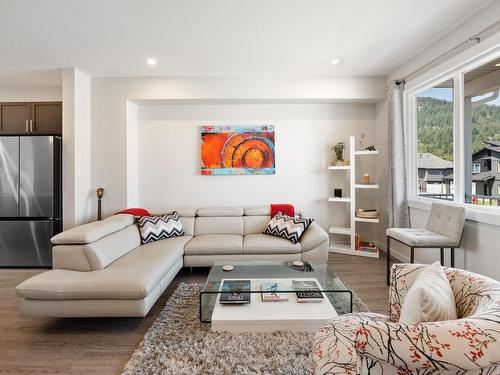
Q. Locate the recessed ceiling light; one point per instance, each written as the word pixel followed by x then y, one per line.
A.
pixel 335 61
pixel 151 61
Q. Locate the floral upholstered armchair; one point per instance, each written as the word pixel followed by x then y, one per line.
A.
pixel 366 343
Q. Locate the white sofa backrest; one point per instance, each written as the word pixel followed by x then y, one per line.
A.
pixel 219 220
pixel 96 245
pixel 218 225
pixel 255 224
pixel 91 232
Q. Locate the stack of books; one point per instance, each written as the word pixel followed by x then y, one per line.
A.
pixel 367 213
pixel 368 247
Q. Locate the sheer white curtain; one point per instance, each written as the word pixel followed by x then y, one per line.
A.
pixel 398 198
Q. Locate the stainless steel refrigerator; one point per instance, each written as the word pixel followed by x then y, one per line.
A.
pixel 30 199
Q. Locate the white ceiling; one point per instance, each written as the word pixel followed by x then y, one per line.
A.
pixel 218 37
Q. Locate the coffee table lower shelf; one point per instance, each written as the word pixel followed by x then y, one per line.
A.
pixel 259 316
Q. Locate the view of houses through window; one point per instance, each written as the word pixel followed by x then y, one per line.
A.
pixel 435 141
pixel 434 122
pixel 482 134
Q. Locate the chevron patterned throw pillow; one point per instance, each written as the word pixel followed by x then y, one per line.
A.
pixel 291 228
pixel 154 228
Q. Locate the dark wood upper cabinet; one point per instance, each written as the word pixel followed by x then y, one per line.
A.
pixel 31 118
pixel 14 118
pixel 46 118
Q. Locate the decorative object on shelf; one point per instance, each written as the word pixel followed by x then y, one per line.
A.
pixel 338 149
pixel 227 267
pixel 361 145
pixel 237 150
pixel 357 241
pixel 298 263
pixel 337 193
pixel 100 194
pixel 366 179
pixel 370 148
pixel 346 162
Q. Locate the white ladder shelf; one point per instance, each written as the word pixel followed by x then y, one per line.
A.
pixel 344 248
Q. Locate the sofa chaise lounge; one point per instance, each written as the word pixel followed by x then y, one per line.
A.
pixel 101 269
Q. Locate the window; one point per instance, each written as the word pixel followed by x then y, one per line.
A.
pixel 453 143
pixel 481 132
pixel 434 126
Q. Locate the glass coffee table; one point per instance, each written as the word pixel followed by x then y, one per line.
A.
pixel 259 316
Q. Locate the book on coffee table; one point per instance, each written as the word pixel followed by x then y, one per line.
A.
pixel 235 292
pixel 271 292
pixel 307 291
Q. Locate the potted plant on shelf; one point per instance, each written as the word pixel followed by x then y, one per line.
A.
pixel 338 149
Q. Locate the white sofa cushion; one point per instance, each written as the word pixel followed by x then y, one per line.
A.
pixel 265 244
pixel 430 298
pixel 218 225
pixel 133 276
pixel 209 244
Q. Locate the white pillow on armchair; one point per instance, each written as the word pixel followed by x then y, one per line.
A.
pixel 430 298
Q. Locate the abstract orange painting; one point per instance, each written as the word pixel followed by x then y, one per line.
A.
pixel 233 150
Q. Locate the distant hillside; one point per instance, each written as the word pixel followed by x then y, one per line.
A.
pixel 434 126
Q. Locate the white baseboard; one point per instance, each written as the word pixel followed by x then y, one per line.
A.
pixel 394 253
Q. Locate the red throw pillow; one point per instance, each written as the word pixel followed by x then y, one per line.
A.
pixel 286 209
pixel 135 212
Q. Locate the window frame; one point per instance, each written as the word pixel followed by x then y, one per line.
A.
pixel 455 69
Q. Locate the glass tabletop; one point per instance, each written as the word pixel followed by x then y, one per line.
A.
pixel 332 287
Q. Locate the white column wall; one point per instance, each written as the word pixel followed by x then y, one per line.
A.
pixel 76 147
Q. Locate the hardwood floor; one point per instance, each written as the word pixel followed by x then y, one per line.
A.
pixel 102 346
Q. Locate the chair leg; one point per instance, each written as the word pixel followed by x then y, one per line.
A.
pixel 441 256
pixel 388 259
pixel 452 257
pixel 412 254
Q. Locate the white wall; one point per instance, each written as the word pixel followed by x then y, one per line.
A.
pixel 76 147
pixel 169 155
pixel 111 142
pixel 30 94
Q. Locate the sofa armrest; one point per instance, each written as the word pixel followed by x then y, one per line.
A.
pixel 91 232
pixel 459 345
pixel 313 237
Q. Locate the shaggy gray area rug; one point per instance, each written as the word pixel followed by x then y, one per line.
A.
pixel 178 343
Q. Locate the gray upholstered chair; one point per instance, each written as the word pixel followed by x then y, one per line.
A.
pixel 443 230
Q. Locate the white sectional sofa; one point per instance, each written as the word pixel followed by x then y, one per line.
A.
pixel 102 270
